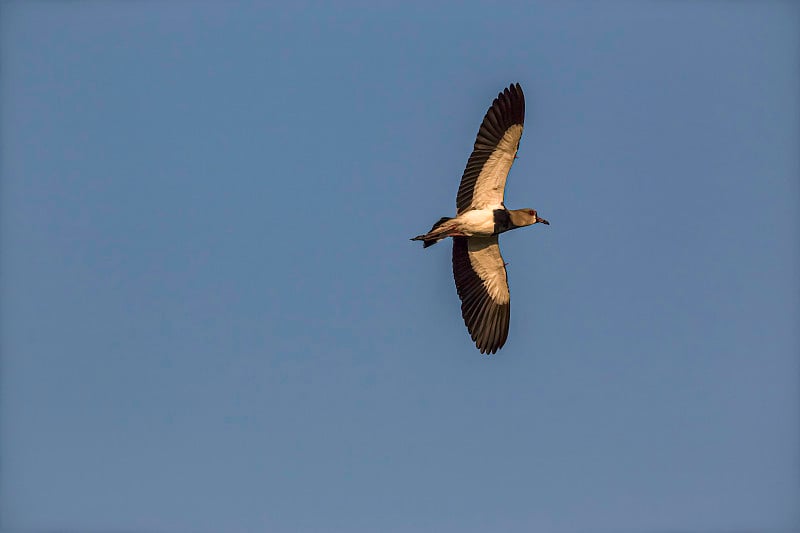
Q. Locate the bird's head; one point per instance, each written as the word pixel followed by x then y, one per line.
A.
pixel 526 217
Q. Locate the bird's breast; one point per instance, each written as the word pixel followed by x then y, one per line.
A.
pixel 502 221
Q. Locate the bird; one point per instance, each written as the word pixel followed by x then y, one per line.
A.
pixel 481 216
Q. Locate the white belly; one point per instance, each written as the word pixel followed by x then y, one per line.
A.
pixel 477 222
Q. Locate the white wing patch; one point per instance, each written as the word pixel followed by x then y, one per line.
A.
pixel 486 261
pixel 491 183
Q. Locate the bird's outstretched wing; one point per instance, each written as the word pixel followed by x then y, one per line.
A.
pixel 482 285
pixel 484 179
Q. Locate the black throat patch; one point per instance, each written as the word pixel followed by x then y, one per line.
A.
pixel 502 222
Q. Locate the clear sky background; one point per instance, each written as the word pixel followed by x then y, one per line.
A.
pixel 213 319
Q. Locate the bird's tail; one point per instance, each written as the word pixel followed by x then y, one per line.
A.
pixel 436 234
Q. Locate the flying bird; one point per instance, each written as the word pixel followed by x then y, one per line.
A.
pixel 481 216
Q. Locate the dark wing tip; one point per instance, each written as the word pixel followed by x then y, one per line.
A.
pixel 492 334
pixel 509 107
pixel 515 102
pixel 506 110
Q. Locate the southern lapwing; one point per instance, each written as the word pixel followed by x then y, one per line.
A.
pixel 478 267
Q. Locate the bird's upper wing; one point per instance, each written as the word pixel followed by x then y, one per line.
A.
pixel 484 179
pixel 481 282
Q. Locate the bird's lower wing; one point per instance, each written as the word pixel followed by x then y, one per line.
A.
pixel 480 275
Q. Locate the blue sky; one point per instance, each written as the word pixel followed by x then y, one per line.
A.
pixel 213 320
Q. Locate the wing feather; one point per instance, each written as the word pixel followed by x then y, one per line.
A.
pixel 484 180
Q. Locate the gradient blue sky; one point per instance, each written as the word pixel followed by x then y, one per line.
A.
pixel 213 320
